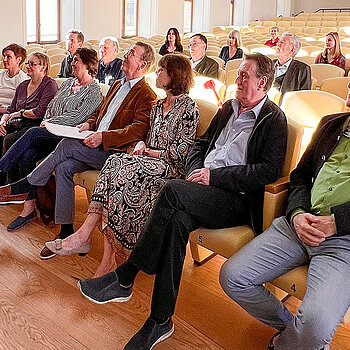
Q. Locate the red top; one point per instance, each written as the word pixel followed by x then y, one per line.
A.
pixel 271 43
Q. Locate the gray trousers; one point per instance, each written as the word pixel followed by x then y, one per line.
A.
pixel 275 252
pixel 70 157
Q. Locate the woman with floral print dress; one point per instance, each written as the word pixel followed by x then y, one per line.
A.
pixel 129 184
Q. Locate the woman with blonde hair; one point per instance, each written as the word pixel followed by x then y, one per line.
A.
pixel 232 51
pixel 332 53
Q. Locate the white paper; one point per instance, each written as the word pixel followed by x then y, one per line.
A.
pixel 67 131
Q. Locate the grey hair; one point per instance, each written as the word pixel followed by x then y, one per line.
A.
pixel 113 39
pixel 295 41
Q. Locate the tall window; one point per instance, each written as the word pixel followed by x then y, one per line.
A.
pixel 130 18
pixel 188 16
pixel 43 18
pixel 232 9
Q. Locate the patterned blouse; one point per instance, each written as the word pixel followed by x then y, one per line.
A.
pixel 339 61
pixel 71 109
pixel 181 132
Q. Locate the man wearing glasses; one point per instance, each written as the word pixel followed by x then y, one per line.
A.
pixel 201 63
pixel 117 126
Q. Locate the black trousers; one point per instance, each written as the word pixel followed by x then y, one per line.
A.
pixel 181 207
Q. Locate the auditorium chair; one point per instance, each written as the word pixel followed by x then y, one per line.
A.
pixel 322 71
pixel 307 107
pixel 57 58
pixel 336 86
pixel 54 70
pixel 207 110
pixel 59 81
pixel 55 51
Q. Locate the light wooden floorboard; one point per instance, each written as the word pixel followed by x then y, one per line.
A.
pixel 41 307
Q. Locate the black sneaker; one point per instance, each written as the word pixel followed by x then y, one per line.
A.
pixel 150 334
pixel 105 289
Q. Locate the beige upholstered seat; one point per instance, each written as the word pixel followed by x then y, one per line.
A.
pixel 59 81
pixel 336 86
pixel 231 76
pixel 55 51
pixel 54 70
pixel 323 71
pixel 104 88
pixel 57 58
pixel 234 64
pixel 307 107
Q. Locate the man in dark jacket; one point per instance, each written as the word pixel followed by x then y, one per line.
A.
pixel 315 231
pixel 290 74
pixel 228 167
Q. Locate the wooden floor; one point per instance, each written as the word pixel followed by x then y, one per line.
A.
pixel 41 307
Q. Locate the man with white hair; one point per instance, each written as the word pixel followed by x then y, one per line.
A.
pixel 109 66
pixel 290 75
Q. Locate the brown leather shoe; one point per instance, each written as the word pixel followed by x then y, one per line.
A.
pixel 46 253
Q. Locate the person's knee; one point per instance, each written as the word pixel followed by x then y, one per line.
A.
pixel 172 191
pixel 231 279
pixel 65 169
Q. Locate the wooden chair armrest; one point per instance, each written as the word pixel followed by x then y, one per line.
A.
pixel 281 184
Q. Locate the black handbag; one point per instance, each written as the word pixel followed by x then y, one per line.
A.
pixel 15 124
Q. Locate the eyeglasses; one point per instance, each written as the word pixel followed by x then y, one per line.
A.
pixel 131 53
pixel 194 44
pixel 32 64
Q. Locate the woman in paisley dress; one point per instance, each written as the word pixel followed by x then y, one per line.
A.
pixel 129 184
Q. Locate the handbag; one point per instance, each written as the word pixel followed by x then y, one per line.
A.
pixel 15 124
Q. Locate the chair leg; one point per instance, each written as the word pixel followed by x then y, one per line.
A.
pixel 200 254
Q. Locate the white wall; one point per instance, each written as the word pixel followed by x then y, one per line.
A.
pixel 313 5
pixel 242 12
pixel 284 8
pixel 170 14
pixel 101 18
pixel 13 24
pixel 262 10
pixel 219 13
pixel 70 16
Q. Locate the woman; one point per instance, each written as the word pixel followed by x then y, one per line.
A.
pixel 332 52
pixel 129 184
pixel 232 51
pixel 13 56
pixel 172 43
pixel 73 104
pixel 30 101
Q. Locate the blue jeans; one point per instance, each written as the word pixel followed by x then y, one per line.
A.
pixel 275 252
pixel 34 145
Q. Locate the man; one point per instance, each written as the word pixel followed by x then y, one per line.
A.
pixel 121 122
pixel 109 67
pixel 228 167
pixel 201 63
pixel 274 37
pixel 290 75
pixel 74 40
pixel 315 231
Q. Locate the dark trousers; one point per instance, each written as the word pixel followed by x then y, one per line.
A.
pixel 20 159
pixel 181 207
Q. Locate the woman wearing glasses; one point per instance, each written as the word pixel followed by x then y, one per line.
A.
pixel 73 104
pixel 29 103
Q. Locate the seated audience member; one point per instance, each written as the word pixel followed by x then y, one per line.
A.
pixel 109 66
pixel 129 184
pixel 227 169
pixel 232 51
pixel 332 51
pixel 30 101
pixel 201 63
pixel 11 76
pixel 290 75
pixel 121 122
pixel 172 43
pixel 73 104
pixel 274 37
pixel 315 231
pixel 74 40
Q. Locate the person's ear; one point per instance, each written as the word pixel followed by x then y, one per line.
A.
pixel 262 83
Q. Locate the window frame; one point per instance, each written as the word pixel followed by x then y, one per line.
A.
pixel 191 1
pixel 38 25
pixel 232 13
pixel 137 21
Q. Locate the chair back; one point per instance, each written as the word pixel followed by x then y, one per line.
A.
pixel 59 81
pixel 336 86
pixel 57 58
pixel 233 64
pixel 207 111
pixel 323 71
pixel 54 70
pixel 104 88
